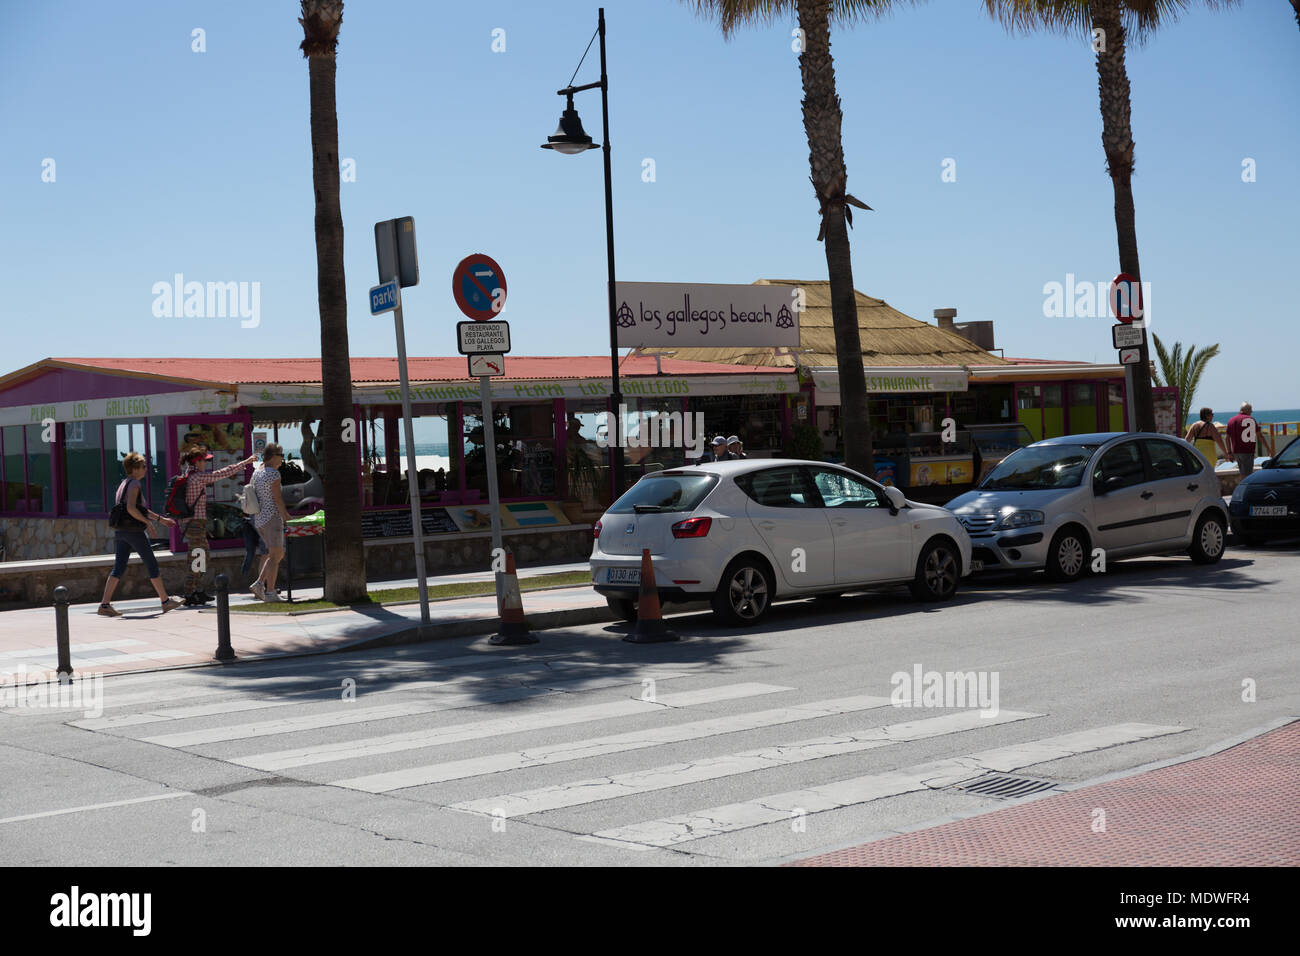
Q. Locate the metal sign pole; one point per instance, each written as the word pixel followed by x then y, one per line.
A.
pixel 494 495
pixel 412 476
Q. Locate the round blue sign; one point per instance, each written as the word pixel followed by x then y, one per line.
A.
pixel 479 287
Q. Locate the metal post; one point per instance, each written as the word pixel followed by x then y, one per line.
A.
pixel 225 653
pixel 61 633
pixel 609 251
pixel 412 478
pixel 494 494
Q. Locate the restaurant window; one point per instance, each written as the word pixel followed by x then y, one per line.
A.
pixel 655 435
pixel 586 453
pixel 40 490
pixel 15 481
pixel 1115 405
pixel 83 467
pixel 383 455
pixel 1083 409
pixel 1029 409
pixel 525 450
pixel 225 440
pixel 755 419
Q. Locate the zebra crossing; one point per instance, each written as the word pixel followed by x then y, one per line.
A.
pixel 407 740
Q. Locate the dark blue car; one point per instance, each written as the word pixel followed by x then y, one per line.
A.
pixel 1266 504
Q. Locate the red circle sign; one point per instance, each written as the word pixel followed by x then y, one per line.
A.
pixel 479 287
pixel 1125 291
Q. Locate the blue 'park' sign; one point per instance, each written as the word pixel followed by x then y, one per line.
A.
pixel 384 298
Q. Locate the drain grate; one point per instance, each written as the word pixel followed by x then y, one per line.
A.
pixel 1004 787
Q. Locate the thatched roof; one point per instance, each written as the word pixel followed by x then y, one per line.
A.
pixel 888 338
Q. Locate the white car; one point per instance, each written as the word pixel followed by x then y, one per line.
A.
pixel 745 533
pixel 1050 504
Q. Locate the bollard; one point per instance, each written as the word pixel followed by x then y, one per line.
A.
pixel 225 653
pixel 61 633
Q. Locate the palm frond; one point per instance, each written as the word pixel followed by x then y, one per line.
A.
pixel 1141 18
pixel 733 14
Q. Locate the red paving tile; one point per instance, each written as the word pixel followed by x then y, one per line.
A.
pixel 1239 807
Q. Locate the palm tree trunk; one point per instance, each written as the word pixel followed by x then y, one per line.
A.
pixel 344 555
pixel 822 120
pixel 1117 141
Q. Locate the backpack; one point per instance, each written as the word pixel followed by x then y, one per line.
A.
pixel 247 499
pixel 119 518
pixel 176 505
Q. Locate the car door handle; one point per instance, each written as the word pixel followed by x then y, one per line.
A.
pixel 1193 486
pixel 1147 494
pixel 767 525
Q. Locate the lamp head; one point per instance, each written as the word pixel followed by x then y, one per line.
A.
pixel 569 137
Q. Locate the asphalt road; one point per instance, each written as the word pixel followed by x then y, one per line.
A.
pixel 754 746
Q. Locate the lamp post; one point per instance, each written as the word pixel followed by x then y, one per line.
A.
pixel 570 138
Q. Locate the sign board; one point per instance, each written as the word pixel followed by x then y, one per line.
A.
pixel 479 287
pixel 483 338
pixel 1126 298
pixel 395 251
pixel 706 315
pixel 1126 336
pixel 1130 356
pixel 259 443
pixel 397 523
pixel 491 365
pixel 385 297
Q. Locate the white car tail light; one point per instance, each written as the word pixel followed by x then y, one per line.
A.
pixel 692 528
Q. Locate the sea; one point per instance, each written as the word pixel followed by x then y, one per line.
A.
pixel 1259 414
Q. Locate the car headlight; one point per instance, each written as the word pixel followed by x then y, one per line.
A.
pixel 1021 519
pixel 1239 493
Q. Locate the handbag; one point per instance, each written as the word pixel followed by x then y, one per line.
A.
pixel 120 518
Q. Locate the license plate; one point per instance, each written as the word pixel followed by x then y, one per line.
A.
pixel 624 575
pixel 976 564
pixel 1268 511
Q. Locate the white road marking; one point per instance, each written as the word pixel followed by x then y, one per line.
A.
pixel 392 743
pixel 97 806
pixel 780 807
pixel 356 713
pixel 601 746
pixel 181 713
pixel 582 792
pixel 24 652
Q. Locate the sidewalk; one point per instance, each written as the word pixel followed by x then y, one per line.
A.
pixel 1237 807
pixel 145 639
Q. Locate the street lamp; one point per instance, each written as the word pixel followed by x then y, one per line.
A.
pixel 571 138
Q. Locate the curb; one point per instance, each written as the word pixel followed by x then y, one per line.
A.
pixel 1215 748
pixel 542 621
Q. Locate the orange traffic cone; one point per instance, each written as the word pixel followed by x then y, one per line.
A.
pixel 650 627
pixel 514 629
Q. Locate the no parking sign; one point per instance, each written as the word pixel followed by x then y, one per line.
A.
pixel 479 287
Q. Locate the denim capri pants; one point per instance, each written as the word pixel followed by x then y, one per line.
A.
pixel 124 542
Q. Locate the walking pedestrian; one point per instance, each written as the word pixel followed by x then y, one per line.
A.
pixel 253 545
pixel 128 539
pixel 1241 427
pixel 197 480
pixel 270 521
pixel 1204 434
pixel 736 448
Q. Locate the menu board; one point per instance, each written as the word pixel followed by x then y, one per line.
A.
pixel 397 523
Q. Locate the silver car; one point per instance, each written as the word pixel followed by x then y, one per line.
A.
pixel 1050 504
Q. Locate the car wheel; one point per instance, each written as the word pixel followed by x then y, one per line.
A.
pixel 624 608
pixel 937 571
pixel 744 593
pixel 1208 540
pixel 1067 557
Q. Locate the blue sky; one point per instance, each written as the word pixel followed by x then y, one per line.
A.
pixel 170 161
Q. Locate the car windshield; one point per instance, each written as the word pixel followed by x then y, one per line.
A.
pixel 1039 467
pixel 1290 457
pixel 664 494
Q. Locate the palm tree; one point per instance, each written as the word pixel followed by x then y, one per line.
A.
pixel 1183 370
pixel 1108 24
pixel 344 555
pixel 822 119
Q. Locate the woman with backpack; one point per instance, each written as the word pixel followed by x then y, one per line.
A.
pixel 130 519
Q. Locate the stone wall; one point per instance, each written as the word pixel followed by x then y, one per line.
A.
pixel 35 539
pixel 456 554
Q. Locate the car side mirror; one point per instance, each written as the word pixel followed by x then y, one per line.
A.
pixel 1266 463
pixel 1106 485
pixel 896 499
